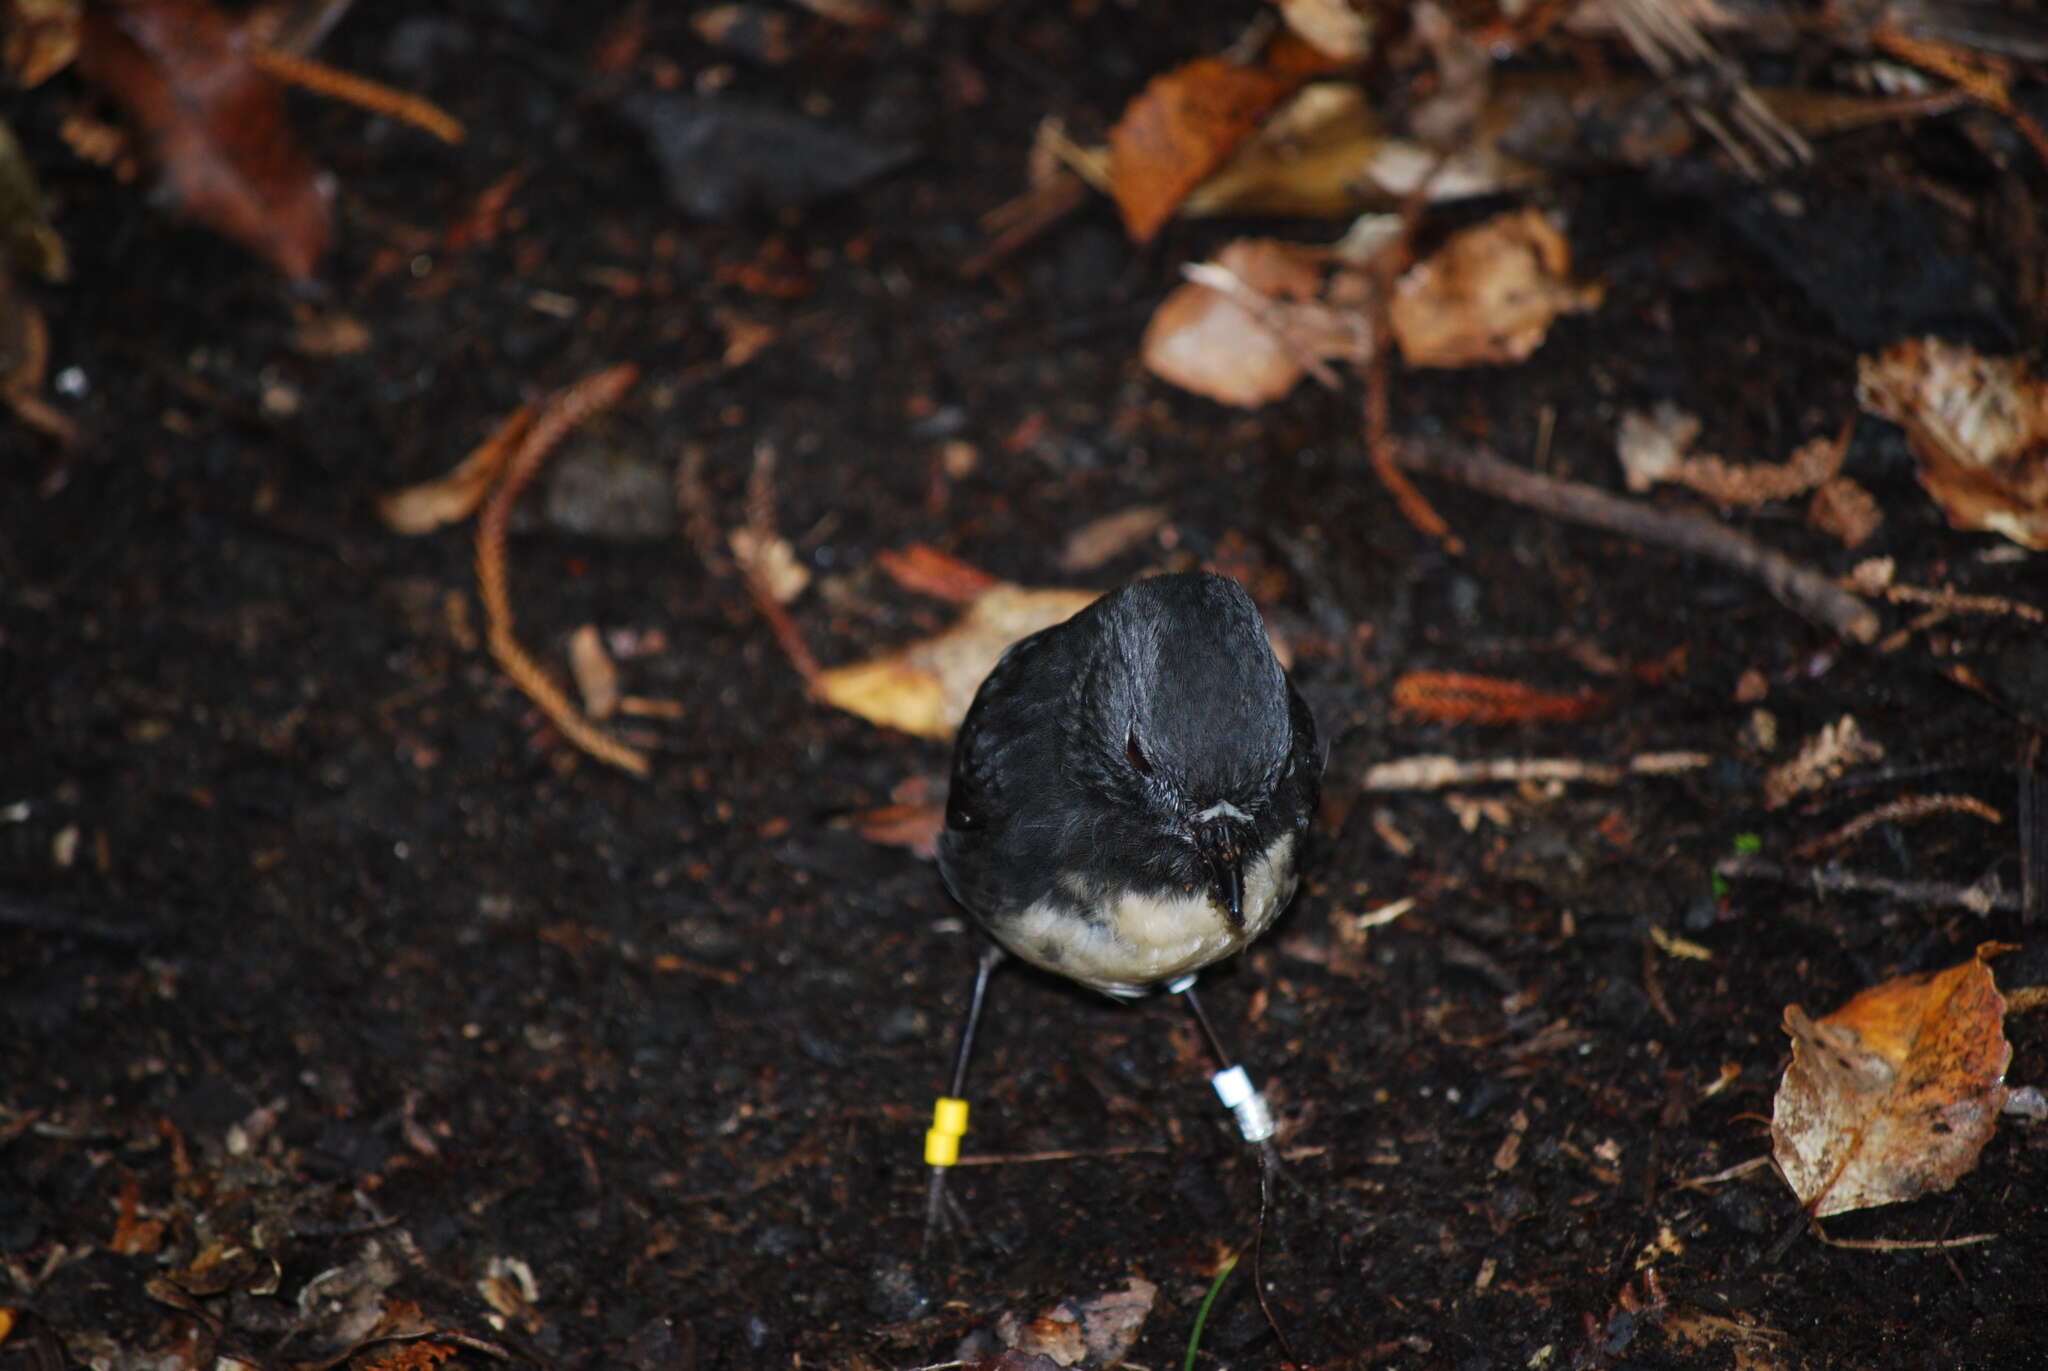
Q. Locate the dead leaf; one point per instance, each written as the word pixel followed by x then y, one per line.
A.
pixel 1247 327
pixel 1489 294
pixel 215 124
pixel 1308 161
pixel 1099 1329
pixel 42 38
pixel 1331 27
pixel 1893 1095
pixel 455 496
pixel 924 570
pixel 925 687
pixel 1109 537
pixel 1978 426
pixel 1180 128
pixel 31 241
pixel 915 827
pixel 770 562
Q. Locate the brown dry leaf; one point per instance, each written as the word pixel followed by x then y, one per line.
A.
pixel 1489 294
pixel 1180 128
pixel 215 123
pixel 924 570
pixel 1249 325
pixel 1893 1095
pixel 1979 427
pixel 1101 540
pixel 770 561
pixel 455 496
pixel 597 677
pixel 1310 160
pixel 1331 27
pixel 1099 1329
pixel 42 38
pixel 925 687
pixel 1826 755
pixel 912 826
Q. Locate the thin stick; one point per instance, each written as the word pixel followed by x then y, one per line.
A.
pixel 563 411
pixel 1980 898
pixel 1799 588
pixel 1062 1154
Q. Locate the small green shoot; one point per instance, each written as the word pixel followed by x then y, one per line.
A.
pixel 1202 1314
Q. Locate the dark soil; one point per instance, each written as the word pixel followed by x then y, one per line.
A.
pixel 320 949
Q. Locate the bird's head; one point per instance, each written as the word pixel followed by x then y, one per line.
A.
pixel 1184 721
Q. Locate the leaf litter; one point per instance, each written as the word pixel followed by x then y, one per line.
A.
pixel 1893 1095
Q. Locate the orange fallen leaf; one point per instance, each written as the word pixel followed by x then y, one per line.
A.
pixel 925 687
pixel 1893 1095
pixel 924 570
pixel 1489 294
pixel 1978 427
pixel 215 123
pixel 1180 128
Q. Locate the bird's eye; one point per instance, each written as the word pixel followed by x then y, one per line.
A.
pixel 1137 756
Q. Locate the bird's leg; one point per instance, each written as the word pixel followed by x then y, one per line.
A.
pixel 1245 1101
pixel 949 1117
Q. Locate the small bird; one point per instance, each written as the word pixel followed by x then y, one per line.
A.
pixel 1131 791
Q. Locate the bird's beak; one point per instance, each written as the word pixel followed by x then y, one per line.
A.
pixel 1221 844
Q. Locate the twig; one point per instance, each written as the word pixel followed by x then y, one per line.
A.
pixel 761 522
pixel 1904 809
pixel 359 91
pixel 1438 772
pixel 1799 588
pixel 1060 1154
pixel 1904 1244
pixel 562 412
pixel 1380 445
pixel 1980 898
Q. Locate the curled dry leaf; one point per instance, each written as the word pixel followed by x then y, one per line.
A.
pixel 1329 26
pixel 1180 128
pixel 1489 294
pixel 925 687
pixel 1978 426
pixel 770 562
pixel 1248 326
pixel 1098 1329
pixel 1893 1095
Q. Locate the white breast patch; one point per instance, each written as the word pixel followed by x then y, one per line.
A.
pixel 1140 940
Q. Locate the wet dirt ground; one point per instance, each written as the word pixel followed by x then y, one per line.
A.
pixel 325 956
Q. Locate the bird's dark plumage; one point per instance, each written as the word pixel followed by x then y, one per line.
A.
pixel 1131 788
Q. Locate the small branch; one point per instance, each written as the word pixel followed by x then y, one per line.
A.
pixel 1799 588
pixel 1060 1154
pixel 1983 897
pixel 1904 809
pixel 1439 772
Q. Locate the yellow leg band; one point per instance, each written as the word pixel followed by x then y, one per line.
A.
pixel 949 1125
